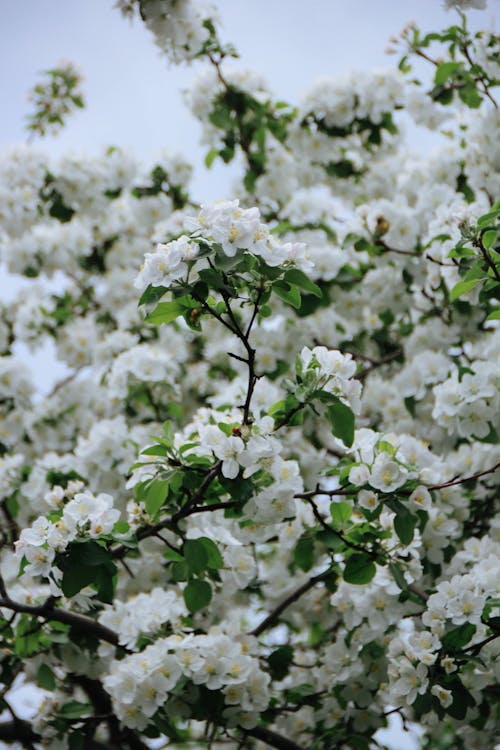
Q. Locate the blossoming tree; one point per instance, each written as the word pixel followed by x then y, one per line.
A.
pixel 259 511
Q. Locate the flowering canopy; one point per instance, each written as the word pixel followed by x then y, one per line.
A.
pixel 260 508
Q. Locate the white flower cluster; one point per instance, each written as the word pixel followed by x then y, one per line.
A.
pixel 387 461
pixel 142 364
pixel 43 721
pixel 168 263
pixel 252 447
pixel 85 516
pixel 236 228
pixel 140 684
pixel 22 173
pixel 50 246
pixel 468 406
pixel 144 614
pixel 10 473
pixel 356 96
pixel 206 88
pixel 374 607
pixel 230 227
pixel 178 26
pixel 462 598
pixel 334 372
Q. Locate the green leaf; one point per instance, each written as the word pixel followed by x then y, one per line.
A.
pixel 404 526
pixel 342 422
pixel 225 262
pixel 494 624
pixel 410 404
pixel 30 637
pixel 398 576
pixel 211 157
pixel 359 569
pixel 442 94
pixel 403 65
pixel 294 276
pixel 165 312
pixel 75 710
pixel 462 287
pixel 462 700
pixel 196 555
pixel 156 494
pixel 289 293
pixel 121 527
pixel 445 70
pixel 152 294
pixel 89 553
pixel 168 432
pixel 87 564
pixel 75 579
pixel 215 280
pixel 300 692
pixel 495 315
pixel 470 95
pixel 45 678
pixel 180 571
pixel 214 557
pixel 458 637
pixel 197 595
pixel 461 251
pixel 76 741
pixel 279 662
pixel 303 554
pixel 358 742
pixel 340 513
pixel 488 218
pixel 489 238
pixel 172 555
pixel 404 522
pixel 155 450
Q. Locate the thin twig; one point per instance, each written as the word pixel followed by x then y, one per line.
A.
pixel 274 615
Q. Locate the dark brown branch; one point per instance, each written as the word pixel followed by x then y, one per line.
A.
pixel 274 615
pixel 424 55
pixel 77 621
pixel 396 250
pixel 330 493
pixel 418 592
pixel 250 362
pixel 198 495
pixel 273 739
pixel 465 49
pixel 489 262
pixel 461 480
pixel 12 526
pixel 211 507
pixel 476 647
pixel 190 508
pixel 375 364
pixel 339 534
pixel 19 730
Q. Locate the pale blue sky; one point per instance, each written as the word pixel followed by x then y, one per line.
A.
pixel 133 96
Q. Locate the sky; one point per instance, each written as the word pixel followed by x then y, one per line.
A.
pixel 134 99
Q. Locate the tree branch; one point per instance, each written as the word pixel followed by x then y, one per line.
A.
pixel 273 739
pixel 77 621
pixel 461 480
pixel 19 730
pixel 274 615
